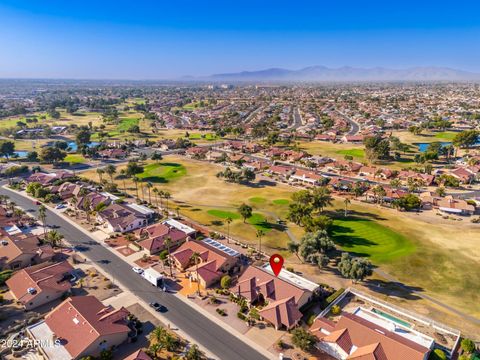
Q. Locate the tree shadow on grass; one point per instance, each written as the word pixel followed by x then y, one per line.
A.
pixel 216 222
pixel 270 226
pixel 353 215
pixel 392 288
pixel 155 179
pixel 260 184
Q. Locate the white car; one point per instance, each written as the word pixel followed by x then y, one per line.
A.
pixel 137 270
pixel 60 206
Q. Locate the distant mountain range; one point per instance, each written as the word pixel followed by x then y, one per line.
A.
pixel 346 73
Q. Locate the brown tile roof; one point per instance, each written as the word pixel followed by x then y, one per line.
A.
pixel 369 352
pixel 42 278
pixel 16 245
pixel 254 281
pixel 207 254
pixel 157 234
pixel 282 312
pixel 138 355
pixel 364 334
pixel 81 320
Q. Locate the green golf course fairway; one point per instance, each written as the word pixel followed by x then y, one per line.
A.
pixel 162 172
pixel 364 237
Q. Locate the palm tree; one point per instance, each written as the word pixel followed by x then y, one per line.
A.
pixel 196 259
pixel 167 196
pixel 54 238
pixel 135 181
pixel 11 206
pixel 346 202
pixel 228 220
pixel 42 215
pixel 149 186
pixel 259 234
pixel 123 173
pixel 158 334
pixel 161 193
pixel 154 349
pixel 177 209
pixel 142 188
pixel 168 243
pixel 193 353
pixel 18 212
pixel 110 170
pixel 100 173
pixel 156 192
pixel 170 342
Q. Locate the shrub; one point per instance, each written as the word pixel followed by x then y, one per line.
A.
pixel 334 296
pixel 281 344
pixel 241 316
pixel 303 339
pixel 221 312
pixel 468 345
pixel 226 282
pixel 336 310
pixel 290 268
pixel 163 255
pixel 438 354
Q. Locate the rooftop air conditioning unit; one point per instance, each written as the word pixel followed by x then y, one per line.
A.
pixel 32 291
pixel 4 242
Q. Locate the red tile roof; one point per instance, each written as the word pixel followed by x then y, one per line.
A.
pixel 49 278
pixel 81 320
pixel 370 341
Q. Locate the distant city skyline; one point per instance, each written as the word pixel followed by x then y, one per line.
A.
pixel 156 40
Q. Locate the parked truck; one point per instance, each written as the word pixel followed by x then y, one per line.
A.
pixel 153 277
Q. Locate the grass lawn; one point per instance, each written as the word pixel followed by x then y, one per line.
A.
pixel 224 214
pixel 75 158
pixel 208 137
pixel 364 237
pixel 257 200
pixel 162 172
pixel 127 123
pixel 446 135
pixel 356 153
pixel 281 201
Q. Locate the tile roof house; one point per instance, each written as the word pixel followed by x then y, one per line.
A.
pixel 41 284
pixel 19 251
pixel 409 174
pixel 213 263
pixel 83 326
pixel 48 178
pixel 153 237
pixel 66 190
pixel 285 299
pixel 121 218
pixel 307 177
pixel 353 337
pixel 90 200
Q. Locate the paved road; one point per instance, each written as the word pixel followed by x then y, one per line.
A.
pixel 297 119
pixel 354 128
pixel 212 336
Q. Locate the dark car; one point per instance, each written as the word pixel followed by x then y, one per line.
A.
pixel 158 307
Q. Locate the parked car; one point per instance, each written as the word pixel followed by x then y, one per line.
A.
pixel 158 307
pixel 60 206
pixel 137 270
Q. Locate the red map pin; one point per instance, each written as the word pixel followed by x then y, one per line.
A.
pixel 276 263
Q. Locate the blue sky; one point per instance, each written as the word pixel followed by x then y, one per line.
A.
pixel 167 39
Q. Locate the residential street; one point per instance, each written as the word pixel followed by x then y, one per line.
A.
pixel 209 334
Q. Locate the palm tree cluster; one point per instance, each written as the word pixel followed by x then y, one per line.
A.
pixel 161 339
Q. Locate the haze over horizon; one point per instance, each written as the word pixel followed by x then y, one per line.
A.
pixel 116 40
